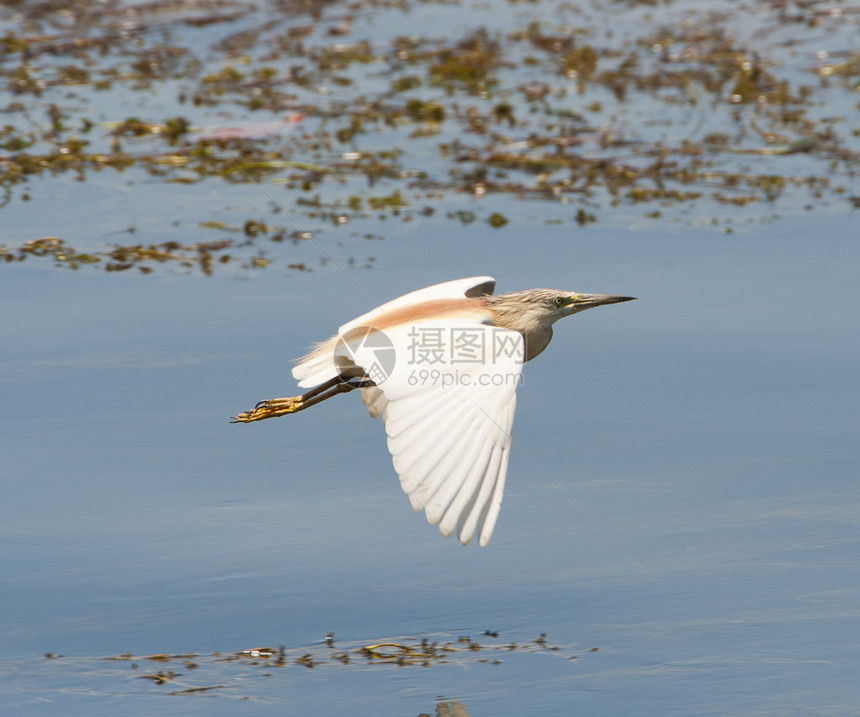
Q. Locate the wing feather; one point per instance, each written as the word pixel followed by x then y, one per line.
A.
pixel 488 519
pixel 441 467
pixel 463 464
pixel 473 519
pixel 456 289
pixel 467 490
pixel 450 438
pixel 415 460
pixel 410 413
pixel 375 400
pixel 320 364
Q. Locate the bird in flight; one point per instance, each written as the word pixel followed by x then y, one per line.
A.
pixel 441 365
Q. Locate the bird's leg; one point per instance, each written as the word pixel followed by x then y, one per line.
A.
pixel 274 407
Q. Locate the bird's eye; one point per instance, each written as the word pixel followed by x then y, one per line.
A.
pixel 559 301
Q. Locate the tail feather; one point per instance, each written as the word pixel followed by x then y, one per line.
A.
pixel 318 366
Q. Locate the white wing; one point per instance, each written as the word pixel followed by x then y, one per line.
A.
pixel 456 289
pixel 319 366
pixel 448 409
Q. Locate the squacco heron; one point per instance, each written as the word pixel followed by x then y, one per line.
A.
pixel 441 365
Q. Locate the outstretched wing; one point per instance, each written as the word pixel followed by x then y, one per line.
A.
pixel 456 289
pixel 319 366
pixel 448 405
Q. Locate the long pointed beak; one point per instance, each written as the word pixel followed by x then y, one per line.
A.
pixel 587 301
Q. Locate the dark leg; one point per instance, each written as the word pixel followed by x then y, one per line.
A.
pixel 275 407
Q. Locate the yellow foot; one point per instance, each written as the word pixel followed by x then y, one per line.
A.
pixel 272 408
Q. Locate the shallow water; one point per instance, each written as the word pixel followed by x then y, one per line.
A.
pixel 682 493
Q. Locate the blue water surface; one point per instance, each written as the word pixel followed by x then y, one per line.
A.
pixel 682 492
pixel 682 509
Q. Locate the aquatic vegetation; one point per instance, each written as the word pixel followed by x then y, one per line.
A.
pixel 618 105
pixel 262 673
pixel 230 672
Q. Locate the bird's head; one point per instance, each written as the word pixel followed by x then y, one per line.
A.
pixel 564 303
pixel 543 307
